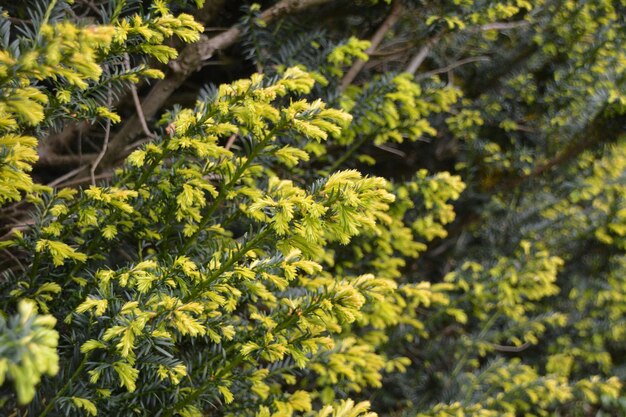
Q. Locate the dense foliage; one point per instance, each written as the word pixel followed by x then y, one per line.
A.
pixel 313 207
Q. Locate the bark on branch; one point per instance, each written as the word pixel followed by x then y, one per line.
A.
pixel 388 23
pixel 452 66
pixel 50 159
pixel 417 60
pixel 189 61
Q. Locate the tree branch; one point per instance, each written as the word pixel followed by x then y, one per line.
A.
pixel 67 176
pixel 137 102
pixel 209 11
pixel 511 349
pixel 421 55
pixel 388 23
pixel 189 61
pixel 64 138
pixel 453 66
pixel 52 159
pixel 598 132
pixel 105 145
pixel 85 180
pixel 417 60
pixel 504 25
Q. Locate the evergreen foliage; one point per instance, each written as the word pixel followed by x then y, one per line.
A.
pixel 429 222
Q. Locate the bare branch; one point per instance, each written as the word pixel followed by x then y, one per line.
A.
pixel 231 141
pixel 421 55
pixel 138 109
pixel 134 145
pixel 64 138
pixel 107 134
pixel 54 159
pixel 18 228
pixel 189 61
pixel 504 25
pixel 417 60
pixel 84 180
pixel 67 176
pixel 388 23
pixel 511 349
pixel 453 66
pixel 391 149
pixel 15 259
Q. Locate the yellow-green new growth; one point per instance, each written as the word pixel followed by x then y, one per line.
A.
pixel 29 344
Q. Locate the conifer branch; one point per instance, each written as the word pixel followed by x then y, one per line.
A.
pixel 65 387
pixel 206 218
pixel 597 132
pixel 190 60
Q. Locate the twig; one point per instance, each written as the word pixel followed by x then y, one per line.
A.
pixel 388 23
pixel 421 55
pixel 136 144
pixel 453 66
pixel 397 51
pixel 231 141
pixel 450 77
pixel 523 128
pixel 504 25
pixel 17 228
pixel 391 150
pixel 48 158
pixel 17 20
pixel 15 259
pixel 83 180
pixel 67 176
pixel 107 134
pixel 138 109
pixel 46 17
pixel 511 349
pixel 417 60
pixel 62 139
